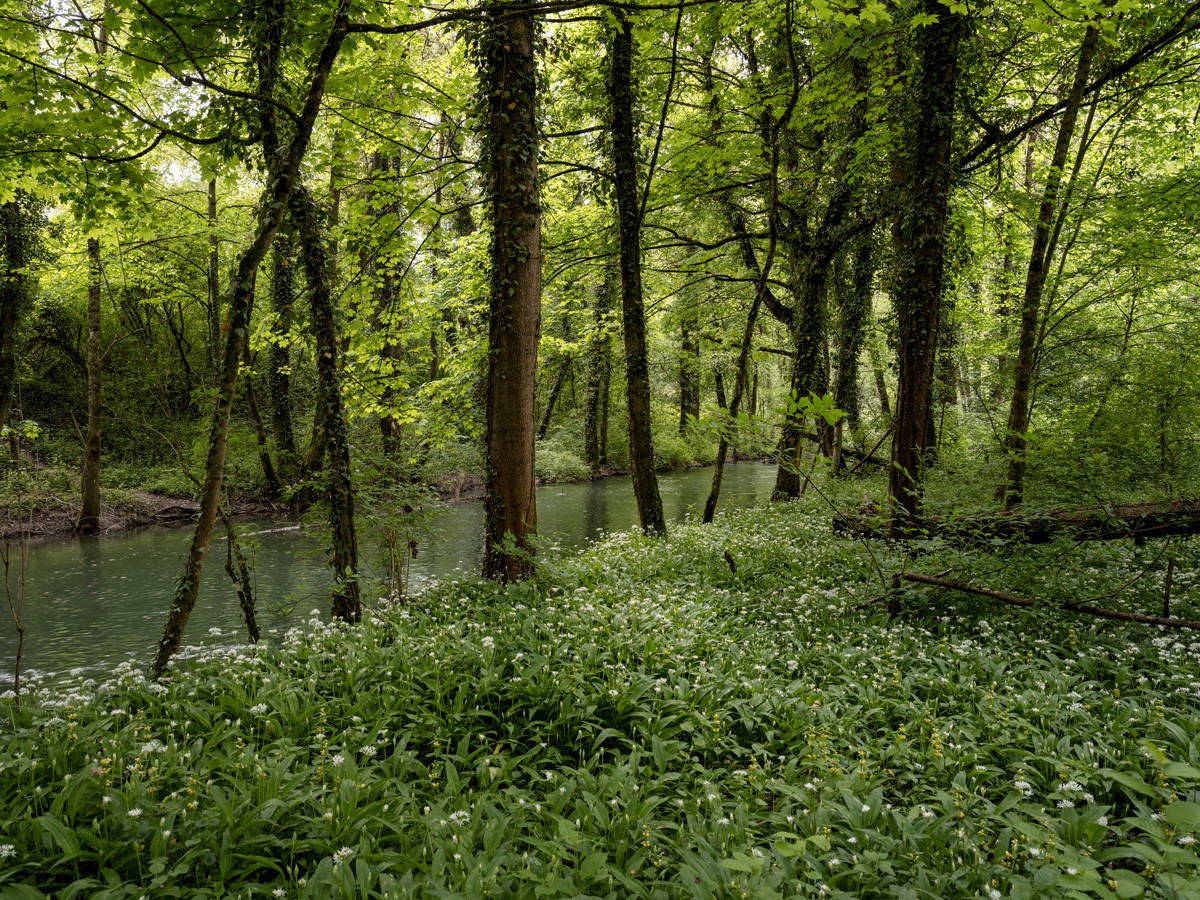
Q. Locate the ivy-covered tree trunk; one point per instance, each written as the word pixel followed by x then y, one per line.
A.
pixel 1035 280
pixel 314 250
pixel 854 301
pixel 920 240
pixel 807 329
pixel 633 311
pixel 508 74
pixel 89 479
pixel 271 208
pixel 279 378
pixel 16 229
pixel 213 277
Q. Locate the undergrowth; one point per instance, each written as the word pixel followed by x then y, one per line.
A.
pixel 645 721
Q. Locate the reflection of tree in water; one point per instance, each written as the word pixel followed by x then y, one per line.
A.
pixel 595 511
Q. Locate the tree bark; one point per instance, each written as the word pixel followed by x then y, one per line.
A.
pixel 89 479
pixel 599 371
pixel 240 291
pixel 16 228
pixel 1035 280
pixel 689 377
pixel 213 278
pixel 279 381
pixel 920 241
pixel 509 84
pixel 314 250
pixel 633 312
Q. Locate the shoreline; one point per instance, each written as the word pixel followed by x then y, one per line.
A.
pixel 143 509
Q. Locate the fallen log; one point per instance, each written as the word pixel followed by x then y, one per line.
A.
pixel 1099 523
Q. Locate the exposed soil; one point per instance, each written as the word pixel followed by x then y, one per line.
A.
pixel 137 509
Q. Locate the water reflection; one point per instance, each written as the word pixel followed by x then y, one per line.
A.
pixel 92 602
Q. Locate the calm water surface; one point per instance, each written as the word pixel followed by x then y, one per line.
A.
pixel 91 603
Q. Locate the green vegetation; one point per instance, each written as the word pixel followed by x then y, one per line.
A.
pixel 640 721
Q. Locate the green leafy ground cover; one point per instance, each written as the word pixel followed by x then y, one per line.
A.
pixel 644 722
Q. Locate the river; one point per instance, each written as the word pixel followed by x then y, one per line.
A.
pixel 91 603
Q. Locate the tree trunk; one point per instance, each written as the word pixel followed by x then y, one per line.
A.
pixel 283 295
pixel 240 290
pixel 509 84
pixel 920 240
pixel 314 250
pixel 877 370
pixel 807 331
pixel 552 400
pixel 854 297
pixel 214 283
pixel 16 227
pixel 89 480
pixel 689 377
pixel 1035 279
pixel 629 219
pixel 599 370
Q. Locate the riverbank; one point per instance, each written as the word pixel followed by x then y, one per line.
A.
pixel 645 720
pixel 53 513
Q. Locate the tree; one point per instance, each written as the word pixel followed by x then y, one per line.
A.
pixel 630 211
pixel 508 89
pixel 920 242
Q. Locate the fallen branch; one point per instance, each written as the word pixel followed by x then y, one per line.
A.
pixel 968 588
pixel 1163 621
pixel 1083 607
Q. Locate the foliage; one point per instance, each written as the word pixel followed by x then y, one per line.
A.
pixel 642 721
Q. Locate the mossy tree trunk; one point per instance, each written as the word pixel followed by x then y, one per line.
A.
pixel 633 311
pixel 508 74
pixel 920 241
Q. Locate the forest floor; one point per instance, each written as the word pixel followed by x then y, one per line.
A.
pixel 644 719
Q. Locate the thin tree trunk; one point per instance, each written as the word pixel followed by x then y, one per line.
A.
pixel 599 369
pixel 509 82
pixel 920 238
pixel 214 283
pixel 89 480
pixel 260 430
pixel 314 251
pixel 552 400
pixel 885 407
pixel 16 227
pixel 1035 280
pixel 629 218
pixel 240 290
pixel 689 377
pixel 283 295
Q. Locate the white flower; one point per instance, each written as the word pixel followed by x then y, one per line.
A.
pixel 723 820
pixel 135 812
pixel 369 750
pixel 994 894
pixel 834 862
pixel 866 808
pixel 1066 804
pixel 1103 820
pixel 1186 841
pixel 337 759
pixel 7 851
pixel 342 855
pixel 1071 870
pixel 279 892
pixel 259 709
pixel 461 817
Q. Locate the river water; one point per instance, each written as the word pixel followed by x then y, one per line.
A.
pixel 91 603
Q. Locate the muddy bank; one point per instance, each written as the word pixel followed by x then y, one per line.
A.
pixel 136 509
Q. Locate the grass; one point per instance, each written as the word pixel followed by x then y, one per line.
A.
pixel 644 722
